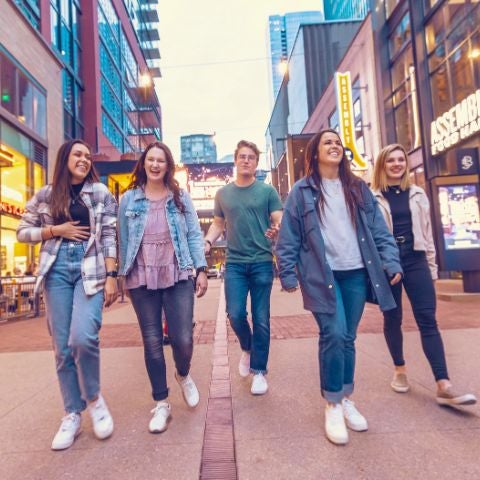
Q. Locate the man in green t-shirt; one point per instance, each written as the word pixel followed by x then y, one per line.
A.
pixel 251 211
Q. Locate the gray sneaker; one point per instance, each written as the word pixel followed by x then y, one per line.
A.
pixel 449 396
pixel 400 383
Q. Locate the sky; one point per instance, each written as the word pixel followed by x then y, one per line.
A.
pixel 216 70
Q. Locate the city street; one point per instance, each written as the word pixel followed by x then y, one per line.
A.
pixel 277 436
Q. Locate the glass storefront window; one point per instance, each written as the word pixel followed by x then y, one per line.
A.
pixel 461 74
pixel 8 84
pixel 390 6
pixel 400 36
pixel 25 99
pixel 401 68
pixel 21 97
pixel 440 93
pixel 404 124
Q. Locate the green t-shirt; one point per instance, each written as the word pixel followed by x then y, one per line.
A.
pixel 246 211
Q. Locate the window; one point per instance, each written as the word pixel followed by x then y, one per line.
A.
pixel 451 36
pixel 400 37
pixel 31 10
pixel 22 97
pixel 390 7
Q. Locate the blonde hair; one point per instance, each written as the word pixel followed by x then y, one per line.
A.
pixel 379 181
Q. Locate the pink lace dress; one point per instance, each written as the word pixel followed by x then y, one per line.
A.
pixel 156 264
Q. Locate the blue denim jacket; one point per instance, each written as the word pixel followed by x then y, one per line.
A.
pixel 184 229
pixel 301 256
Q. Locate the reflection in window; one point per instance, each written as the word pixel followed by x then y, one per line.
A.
pixel 461 74
pixel 21 97
pixel 400 36
pixel 390 7
pixel 440 94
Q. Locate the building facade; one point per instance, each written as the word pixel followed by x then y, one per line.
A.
pixel 315 55
pixel 346 9
pixel 429 71
pixel 359 61
pixel 31 119
pixel 88 72
pixel 198 148
pixel 282 30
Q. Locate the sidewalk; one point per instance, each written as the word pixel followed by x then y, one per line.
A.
pixel 278 436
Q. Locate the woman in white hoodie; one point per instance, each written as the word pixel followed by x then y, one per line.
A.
pixel 407 212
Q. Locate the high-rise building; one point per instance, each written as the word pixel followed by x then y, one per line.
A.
pixel 198 148
pixel 282 32
pixel 346 9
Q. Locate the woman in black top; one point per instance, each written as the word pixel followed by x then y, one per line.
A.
pixel 407 213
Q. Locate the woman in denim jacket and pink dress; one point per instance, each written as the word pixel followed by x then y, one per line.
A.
pixel 161 244
pixel 75 219
pixel 407 212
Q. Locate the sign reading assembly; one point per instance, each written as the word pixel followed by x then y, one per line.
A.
pixel 458 123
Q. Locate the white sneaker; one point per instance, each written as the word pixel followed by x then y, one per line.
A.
pixel 101 418
pixel 161 415
pixel 244 364
pixel 68 431
pixel 335 428
pixel 189 390
pixel 354 419
pixel 259 384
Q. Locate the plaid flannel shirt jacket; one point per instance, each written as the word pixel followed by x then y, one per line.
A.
pixel 102 243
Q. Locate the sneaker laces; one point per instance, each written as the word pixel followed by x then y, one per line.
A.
pixel 158 408
pixel 98 411
pixel 68 422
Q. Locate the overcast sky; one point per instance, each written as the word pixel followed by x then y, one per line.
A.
pixel 215 68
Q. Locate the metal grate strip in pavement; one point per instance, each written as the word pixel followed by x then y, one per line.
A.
pixel 218 453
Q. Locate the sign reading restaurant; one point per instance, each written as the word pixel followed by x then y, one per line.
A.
pixel 457 124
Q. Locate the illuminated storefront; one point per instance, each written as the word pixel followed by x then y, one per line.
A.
pixel 20 177
pixel 438 43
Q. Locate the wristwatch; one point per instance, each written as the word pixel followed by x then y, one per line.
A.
pixel 201 269
pixel 112 273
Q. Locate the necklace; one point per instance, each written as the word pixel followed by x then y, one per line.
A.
pixel 395 188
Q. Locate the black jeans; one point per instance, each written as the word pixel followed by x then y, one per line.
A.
pixel 178 304
pixel 418 284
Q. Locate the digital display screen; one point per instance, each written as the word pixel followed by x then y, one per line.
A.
pixel 460 216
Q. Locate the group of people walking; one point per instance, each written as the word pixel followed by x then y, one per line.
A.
pixel 338 241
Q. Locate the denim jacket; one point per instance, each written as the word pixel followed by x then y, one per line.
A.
pixel 301 249
pixel 184 229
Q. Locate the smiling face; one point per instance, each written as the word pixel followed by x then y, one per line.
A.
pixel 156 165
pixel 246 162
pixel 395 167
pixel 330 150
pixel 79 163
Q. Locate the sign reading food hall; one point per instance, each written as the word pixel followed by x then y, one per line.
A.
pixel 457 124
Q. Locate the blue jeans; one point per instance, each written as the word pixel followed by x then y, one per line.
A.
pixel 177 302
pixel 256 278
pixel 336 352
pixel 74 320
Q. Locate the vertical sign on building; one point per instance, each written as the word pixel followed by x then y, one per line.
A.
pixel 343 88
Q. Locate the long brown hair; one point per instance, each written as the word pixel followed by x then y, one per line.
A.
pixel 379 180
pixel 61 183
pixel 139 176
pixel 351 183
